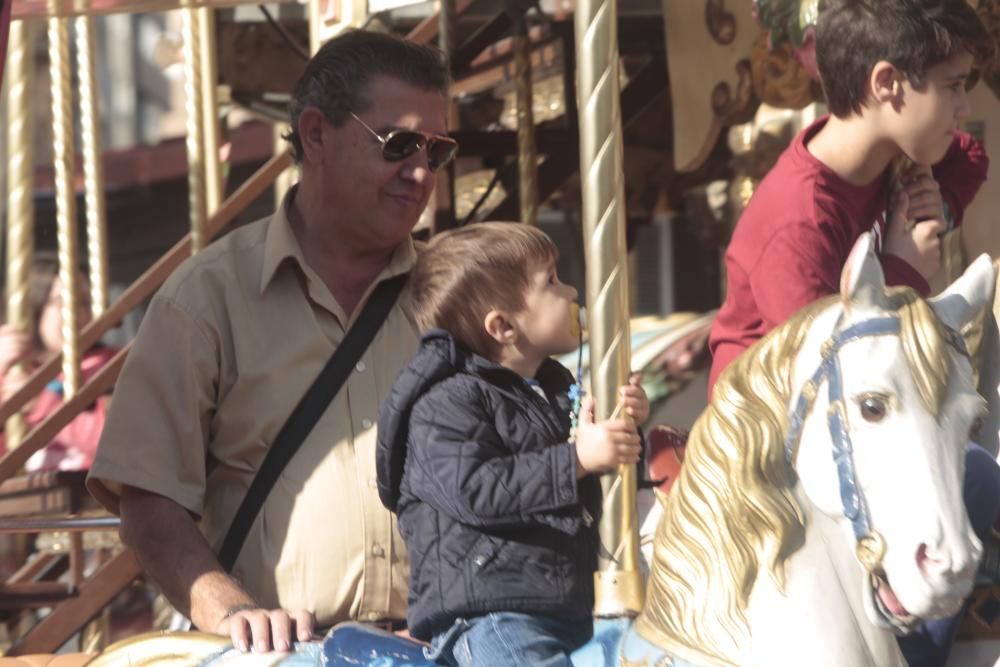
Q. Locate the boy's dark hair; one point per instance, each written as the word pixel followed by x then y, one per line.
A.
pixel 852 36
pixel 463 274
pixel 337 77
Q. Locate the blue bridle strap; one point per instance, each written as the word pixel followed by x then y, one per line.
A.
pixel 843 453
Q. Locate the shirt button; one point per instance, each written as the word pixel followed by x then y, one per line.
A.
pixel 373 482
pixel 360 367
pixel 366 423
pixel 373 615
pixel 377 551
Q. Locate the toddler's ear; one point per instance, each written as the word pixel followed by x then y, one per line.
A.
pixel 499 327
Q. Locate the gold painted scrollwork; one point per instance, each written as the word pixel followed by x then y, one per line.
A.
pixel 721 23
pixel 778 78
pixel 989 12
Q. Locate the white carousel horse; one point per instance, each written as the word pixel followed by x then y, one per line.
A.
pixel 819 507
pixel 754 559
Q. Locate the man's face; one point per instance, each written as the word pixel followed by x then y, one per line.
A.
pixel 372 199
pixel 929 115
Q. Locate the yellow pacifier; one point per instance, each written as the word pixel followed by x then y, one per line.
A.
pixel 576 319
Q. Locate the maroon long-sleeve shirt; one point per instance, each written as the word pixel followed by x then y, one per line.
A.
pixel 794 237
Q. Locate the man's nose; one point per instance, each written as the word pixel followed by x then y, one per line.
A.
pixel 417 168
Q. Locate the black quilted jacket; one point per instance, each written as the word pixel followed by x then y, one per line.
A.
pixel 476 465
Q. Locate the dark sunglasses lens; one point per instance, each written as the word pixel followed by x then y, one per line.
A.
pixel 401 145
pixel 440 152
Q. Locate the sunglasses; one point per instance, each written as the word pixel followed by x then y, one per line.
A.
pixel 400 144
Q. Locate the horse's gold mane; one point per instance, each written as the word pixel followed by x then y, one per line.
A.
pixel 732 510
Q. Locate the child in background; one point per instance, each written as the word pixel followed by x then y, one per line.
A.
pixel 73 448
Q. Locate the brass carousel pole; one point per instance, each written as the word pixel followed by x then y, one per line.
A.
pixel 64 163
pixel 618 582
pixel 445 199
pixel 210 109
pixel 527 155
pixel 193 96
pixel 20 207
pixel 93 168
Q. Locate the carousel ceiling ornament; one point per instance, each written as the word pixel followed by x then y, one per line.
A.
pixel 989 11
pixel 791 22
pixel 784 57
pixel 708 49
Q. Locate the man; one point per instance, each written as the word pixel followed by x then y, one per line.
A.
pixel 238 334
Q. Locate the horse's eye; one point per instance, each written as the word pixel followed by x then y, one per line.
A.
pixel 873 408
pixel 976 427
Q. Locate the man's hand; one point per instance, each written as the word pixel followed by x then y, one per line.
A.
pixel 173 551
pixel 920 246
pixel 263 628
pixel 602 446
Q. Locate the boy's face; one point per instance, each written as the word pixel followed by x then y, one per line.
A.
pixel 928 117
pixel 545 324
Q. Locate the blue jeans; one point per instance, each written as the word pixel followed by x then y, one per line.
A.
pixel 928 646
pixel 509 638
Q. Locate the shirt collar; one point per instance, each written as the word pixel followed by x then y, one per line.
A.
pixel 280 244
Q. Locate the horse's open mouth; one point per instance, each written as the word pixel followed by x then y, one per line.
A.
pixel 888 605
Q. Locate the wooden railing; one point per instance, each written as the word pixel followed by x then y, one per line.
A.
pixel 94 594
pixel 142 288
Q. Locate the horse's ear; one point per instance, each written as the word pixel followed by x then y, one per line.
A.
pixel 965 298
pixel 862 282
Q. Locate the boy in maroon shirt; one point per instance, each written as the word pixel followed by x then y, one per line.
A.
pixel 894 73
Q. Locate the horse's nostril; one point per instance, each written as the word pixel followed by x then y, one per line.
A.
pixel 931 563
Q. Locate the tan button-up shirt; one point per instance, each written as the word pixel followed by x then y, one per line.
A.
pixel 227 348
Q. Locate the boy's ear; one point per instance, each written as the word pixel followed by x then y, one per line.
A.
pixel 499 327
pixel 885 82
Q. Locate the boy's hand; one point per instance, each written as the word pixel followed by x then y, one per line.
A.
pixel 920 247
pixel 15 346
pixel 603 446
pixel 924 194
pixel 633 399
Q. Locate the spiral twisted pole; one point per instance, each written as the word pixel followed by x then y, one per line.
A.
pixel 20 207
pixel 618 583
pixel 193 107
pixel 64 163
pixel 93 167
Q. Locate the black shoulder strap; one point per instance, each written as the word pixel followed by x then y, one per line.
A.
pixel 307 413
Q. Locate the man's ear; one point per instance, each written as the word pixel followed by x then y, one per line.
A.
pixel 311 125
pixel 885 83
pixel 499 327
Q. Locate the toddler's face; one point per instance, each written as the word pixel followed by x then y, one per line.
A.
pixel 547 323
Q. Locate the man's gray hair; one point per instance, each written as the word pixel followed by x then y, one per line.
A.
pixel 337 77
